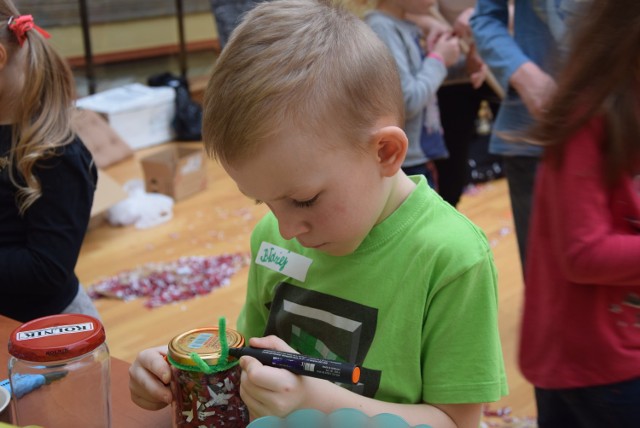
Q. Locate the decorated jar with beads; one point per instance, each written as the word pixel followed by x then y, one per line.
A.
pixel 206 381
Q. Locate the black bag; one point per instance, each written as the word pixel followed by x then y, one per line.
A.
pixel 187 122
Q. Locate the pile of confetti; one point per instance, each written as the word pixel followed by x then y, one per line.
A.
pixel 163 283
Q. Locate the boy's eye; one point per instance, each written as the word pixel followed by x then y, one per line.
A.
pixel 307 203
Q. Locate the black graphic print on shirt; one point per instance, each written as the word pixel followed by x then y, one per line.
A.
pixel 325 326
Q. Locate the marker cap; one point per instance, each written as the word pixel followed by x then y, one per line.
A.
pixel 355 376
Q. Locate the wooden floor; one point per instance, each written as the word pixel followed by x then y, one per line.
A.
pixel 219 220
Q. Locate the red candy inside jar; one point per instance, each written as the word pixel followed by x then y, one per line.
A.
pixel 206 388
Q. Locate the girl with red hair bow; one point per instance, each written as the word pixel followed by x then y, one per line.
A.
pixel 47 176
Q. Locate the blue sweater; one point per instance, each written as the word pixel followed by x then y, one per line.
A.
pixel 420 78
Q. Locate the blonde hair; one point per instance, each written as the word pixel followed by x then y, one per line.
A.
pixel 42 115
pixel 302 65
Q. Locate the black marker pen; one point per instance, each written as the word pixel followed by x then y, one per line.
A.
pixel 335 371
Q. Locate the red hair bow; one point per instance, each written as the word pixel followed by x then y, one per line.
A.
pixel 21 24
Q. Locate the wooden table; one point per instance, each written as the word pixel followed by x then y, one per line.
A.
pixel 124 413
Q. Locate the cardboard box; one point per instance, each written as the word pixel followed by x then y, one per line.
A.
pixel 103 142
pixel 141 115
pixel 178 172
pixel 108 193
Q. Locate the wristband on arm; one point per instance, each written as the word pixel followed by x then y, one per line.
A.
pixel 437 56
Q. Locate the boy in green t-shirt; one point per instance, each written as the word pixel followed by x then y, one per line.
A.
pixel 356 261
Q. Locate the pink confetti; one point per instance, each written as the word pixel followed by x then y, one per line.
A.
pixel 163 283
pixel 502 418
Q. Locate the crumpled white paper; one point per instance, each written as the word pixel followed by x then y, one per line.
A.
pixel 142 209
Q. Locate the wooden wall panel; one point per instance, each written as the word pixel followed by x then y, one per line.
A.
pixel 56 13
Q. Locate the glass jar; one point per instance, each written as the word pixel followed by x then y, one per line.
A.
pixel 59 373
pixel 206 392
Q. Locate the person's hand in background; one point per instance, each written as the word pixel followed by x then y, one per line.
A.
pixel 534 86
pixel 462 27
pixel 448 47
pixel 475 67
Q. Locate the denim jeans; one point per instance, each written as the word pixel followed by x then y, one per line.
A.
pixel 615 405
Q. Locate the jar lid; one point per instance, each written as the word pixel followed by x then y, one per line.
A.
pixel 56 337
pixel 203 341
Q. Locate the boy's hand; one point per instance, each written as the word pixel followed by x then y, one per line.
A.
pixel 149 378
pixel 269 390
pixel 448 47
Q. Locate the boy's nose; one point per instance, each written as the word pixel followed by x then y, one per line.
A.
pixel 291 228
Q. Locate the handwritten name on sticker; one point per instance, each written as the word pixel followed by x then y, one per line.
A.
pixel 284 261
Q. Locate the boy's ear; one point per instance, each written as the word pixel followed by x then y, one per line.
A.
pixel 391 146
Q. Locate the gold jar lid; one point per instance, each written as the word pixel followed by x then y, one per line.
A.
pixel 203 341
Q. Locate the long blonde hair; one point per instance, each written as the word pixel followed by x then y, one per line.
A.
pixel 43 113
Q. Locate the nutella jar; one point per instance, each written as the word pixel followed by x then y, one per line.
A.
pixel 206 385
pixel 59 373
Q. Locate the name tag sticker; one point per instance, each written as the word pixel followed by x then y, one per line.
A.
pixel 284 261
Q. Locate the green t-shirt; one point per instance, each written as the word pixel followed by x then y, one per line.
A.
pixel 415 305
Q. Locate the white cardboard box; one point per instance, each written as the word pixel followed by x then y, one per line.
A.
pixel 141 115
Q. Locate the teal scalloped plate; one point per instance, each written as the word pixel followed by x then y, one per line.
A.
pixel 341 418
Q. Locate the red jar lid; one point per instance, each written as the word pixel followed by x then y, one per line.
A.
pixel 56 337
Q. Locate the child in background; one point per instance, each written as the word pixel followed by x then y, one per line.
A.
pixel 580 342
pixel 422 70
pixel 356 261
pixel 459 96
pixel 47 176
